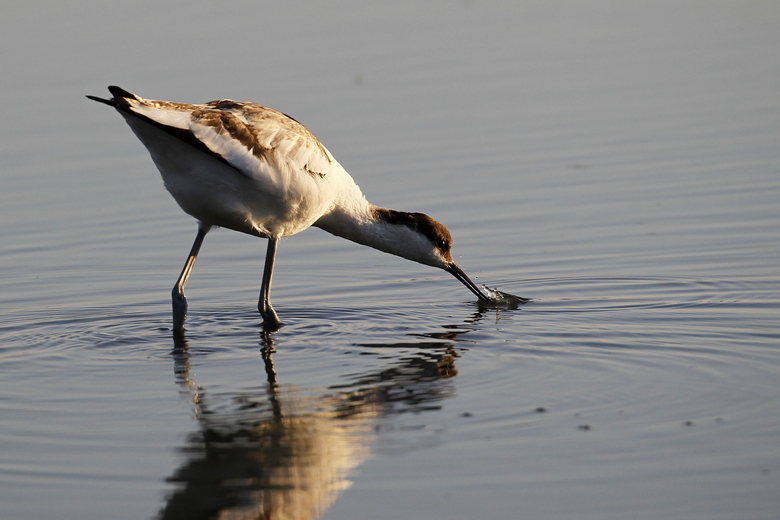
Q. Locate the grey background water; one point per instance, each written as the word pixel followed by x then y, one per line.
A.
pixel 619 163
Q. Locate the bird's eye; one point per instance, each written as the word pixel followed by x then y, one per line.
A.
pixel 442 244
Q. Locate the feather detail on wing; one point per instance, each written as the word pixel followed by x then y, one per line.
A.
pixel 247 136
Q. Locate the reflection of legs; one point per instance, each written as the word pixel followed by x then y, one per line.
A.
pixel 270 319
pixel 177 294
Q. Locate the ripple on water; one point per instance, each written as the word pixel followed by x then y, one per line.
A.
pixel 612 358
pixel 640 305
pixel 49 331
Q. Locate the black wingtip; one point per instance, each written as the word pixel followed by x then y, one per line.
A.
pixel 120 93
pixel 109 102
pixel 119 100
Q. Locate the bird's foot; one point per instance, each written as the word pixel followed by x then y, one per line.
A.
pixel 271 321
pixel 179 302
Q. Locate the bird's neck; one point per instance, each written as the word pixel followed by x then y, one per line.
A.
pixel 354 219
pixel 366 224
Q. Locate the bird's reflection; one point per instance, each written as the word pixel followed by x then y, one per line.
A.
pixel 494 312
pixel 279 452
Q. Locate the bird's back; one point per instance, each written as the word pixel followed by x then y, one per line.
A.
pixel 238 165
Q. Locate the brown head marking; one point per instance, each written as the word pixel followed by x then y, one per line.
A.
pixel 434 231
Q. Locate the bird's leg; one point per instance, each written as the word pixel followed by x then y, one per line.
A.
pixel 177 294
pixel 270 319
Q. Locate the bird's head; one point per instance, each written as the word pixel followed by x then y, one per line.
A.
pixel 422 239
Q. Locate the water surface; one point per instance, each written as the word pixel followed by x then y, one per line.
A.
pixel 618 164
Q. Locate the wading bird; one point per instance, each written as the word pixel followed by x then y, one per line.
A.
pixel 252 169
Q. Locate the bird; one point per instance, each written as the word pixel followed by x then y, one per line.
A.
pixel 252 169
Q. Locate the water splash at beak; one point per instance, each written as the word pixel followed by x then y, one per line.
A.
pixel 485 294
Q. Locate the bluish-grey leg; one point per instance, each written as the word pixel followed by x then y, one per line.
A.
pixel 270 319
pixel 177 294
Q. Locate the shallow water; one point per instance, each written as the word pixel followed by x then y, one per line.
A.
pixel 617 164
